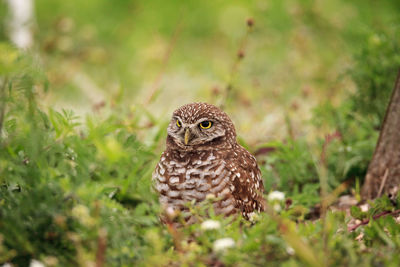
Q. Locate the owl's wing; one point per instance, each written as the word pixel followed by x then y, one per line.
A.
pixel 246 184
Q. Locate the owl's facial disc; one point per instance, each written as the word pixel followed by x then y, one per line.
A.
pixel 201 132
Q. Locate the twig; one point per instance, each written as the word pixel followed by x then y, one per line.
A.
pixel 325 199
pixel 366 221
pixel 385 175
pixel 176 235
pixel 101 248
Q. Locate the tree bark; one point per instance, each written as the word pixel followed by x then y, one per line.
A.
pixel 383 175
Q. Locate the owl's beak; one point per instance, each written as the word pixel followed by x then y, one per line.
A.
pixel 187 136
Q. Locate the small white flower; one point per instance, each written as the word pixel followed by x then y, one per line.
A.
pixel 364 207
pixel 276 195
pixel 290 250
pixel 210 225
pixel 253 216
pixel 36 263
pixel 223 244
pixel 82 213
pixel 277 207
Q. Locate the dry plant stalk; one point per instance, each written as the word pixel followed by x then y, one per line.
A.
pixel 238 59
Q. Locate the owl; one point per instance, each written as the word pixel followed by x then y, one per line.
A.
pixel 202 157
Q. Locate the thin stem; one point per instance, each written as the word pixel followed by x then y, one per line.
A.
pixel 156 84
pixel 3 102
pixel 235 67
pixel 366 221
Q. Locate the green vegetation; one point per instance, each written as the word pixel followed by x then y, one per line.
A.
pixel 307 97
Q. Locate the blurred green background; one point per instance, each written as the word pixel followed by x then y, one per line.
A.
pixel 296 55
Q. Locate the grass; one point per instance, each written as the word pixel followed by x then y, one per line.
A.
pixel 76 183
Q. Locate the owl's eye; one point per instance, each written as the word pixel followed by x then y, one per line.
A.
pixel 178 123
pixel 205 124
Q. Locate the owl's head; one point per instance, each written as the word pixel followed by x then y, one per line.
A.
pixel 200 126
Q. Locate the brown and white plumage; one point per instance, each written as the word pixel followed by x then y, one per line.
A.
pixel 206 160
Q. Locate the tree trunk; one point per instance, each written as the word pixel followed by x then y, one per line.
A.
pixel 383 176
